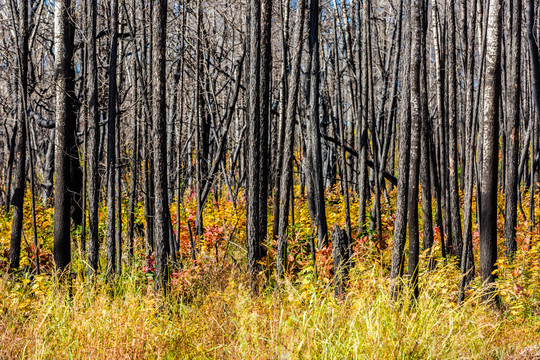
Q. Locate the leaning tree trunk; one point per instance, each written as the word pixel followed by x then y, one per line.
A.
pixel 534 55
pixel 288 145
pixel 467 256
pixel 19 181
pixel 314 149
pixel 535 84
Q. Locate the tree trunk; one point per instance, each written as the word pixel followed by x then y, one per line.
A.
pixel 425 152
pixel 441 169
pixel 313 131
pixel 363 188
pixel 284 91
pixel 400 223
pixel 416 122
pixel 203 127
pixel 162 215
pixel 135 159
pixel 265 99
pixel 111 142
pixel 288 145
pixel 467 256
pixel 148 164
pixel 370 116
pixel 453 177
pixel 48 171
pixel 340 253
pixel 341 128
pixel 490 151
pixel 19 181
pixel 512 130
pixel 65 133
pixel 534 55
pixel 253 145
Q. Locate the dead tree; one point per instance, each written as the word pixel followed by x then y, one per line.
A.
pixel 340 253
pixel 490 152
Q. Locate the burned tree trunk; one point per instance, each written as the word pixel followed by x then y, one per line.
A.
pixel 313 128
pixel 452 148
pixel 65 133
pixel 19 181
pixel 93 140
pixel 340 253
pixel 467 257
pixel 512 131
pixel 416 122
pixel 288 146
pixel 400 224
pixel 162 215
pixel 264 90
pixel 490 152
pixel 111 143
pixel 253 207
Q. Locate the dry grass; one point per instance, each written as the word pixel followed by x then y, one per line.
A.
pixel 210 313
pixel 39 319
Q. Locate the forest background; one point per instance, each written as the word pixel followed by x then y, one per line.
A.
pixel 240 179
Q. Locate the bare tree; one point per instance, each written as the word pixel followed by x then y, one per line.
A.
pixel 253 142
pixel 416 123
pixel 111 142
pixel 93 138
pixel 512 131
pixel 65 132
pixel 288 145
pixel 313 139
pixel 162 214
pixel 19 181
pixel 490 151
pixel 400 223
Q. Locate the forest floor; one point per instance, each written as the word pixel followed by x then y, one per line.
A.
pixel 210 312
